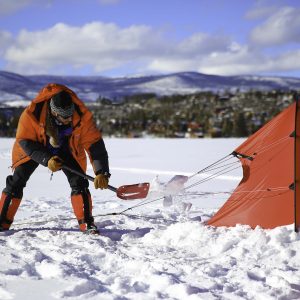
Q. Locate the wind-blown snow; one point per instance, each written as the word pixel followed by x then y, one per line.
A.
pixel 17 103
pixel 152 251
pixel 168 86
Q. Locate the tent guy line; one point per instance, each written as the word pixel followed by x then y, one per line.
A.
pixel 171 173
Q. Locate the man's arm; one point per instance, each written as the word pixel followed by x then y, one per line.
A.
pixel 99 157
pixel 36 151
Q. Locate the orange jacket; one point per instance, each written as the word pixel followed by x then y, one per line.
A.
pixel 33 121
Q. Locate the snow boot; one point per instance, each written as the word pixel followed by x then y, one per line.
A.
pixel 82 207
pixel 8 208
pixel 92 229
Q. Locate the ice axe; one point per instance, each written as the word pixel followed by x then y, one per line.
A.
pixel 125 192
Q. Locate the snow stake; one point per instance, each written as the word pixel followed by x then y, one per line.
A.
pixel 125 192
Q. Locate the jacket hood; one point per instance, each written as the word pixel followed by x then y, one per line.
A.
pixel 50 90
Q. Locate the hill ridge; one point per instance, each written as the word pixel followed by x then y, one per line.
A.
pixel 16 87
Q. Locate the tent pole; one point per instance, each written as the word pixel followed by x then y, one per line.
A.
pixel 296 163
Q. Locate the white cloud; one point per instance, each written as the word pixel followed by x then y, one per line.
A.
pixel 288 61
pixel 6 40
pixel 201 43
pixel 235 60
pixel 281 28
pixel 248 62
pixel 100 47
pixel 103 46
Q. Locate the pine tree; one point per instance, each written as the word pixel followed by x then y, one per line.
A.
pixel 240 125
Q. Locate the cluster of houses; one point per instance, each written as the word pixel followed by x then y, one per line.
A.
pixel 198 115
pixel 204 114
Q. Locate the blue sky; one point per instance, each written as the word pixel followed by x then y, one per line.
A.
pixel 138 37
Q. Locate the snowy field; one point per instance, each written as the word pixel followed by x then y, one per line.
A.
pixel 151 251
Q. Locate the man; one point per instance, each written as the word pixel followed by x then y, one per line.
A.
pixel 56 129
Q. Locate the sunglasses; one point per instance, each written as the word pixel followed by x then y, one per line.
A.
pixel 67 118
pixel 64 118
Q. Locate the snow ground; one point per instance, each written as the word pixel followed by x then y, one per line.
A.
pixel 152 252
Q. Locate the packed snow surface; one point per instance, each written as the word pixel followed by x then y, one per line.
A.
pixel 153 251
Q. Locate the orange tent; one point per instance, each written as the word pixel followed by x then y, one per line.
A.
pixel 269 192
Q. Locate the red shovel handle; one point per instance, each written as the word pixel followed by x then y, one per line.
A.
pixel 125 192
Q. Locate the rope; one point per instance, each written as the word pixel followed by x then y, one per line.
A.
pixel 275 189
pixel 225 158
pixel 95 216
pixel 225 168
pixel 144 202
pixel 222 172
pixel 232 163
pixel 140 204
pixel 235 192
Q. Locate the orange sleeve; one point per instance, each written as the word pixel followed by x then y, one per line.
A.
pixel 90 134
pixel 26 129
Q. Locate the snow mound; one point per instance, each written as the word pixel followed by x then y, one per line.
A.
pixel 149 252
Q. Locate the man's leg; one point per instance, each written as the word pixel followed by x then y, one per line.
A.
pixel 13 193
pixel 80 197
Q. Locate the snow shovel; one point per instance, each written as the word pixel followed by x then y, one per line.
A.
pixel 125 192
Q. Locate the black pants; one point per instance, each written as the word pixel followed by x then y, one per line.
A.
pixel 16 183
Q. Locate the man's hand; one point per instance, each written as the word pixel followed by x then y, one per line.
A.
pixel 55 163
pixel 101 181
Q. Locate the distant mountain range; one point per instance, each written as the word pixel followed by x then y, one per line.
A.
pixel 15 88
